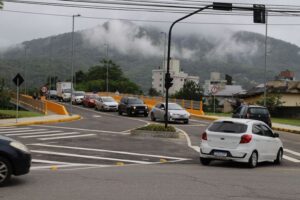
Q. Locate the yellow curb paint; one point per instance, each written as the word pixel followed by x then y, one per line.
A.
pixel 53 168
pixel 120 164
pixel 162 160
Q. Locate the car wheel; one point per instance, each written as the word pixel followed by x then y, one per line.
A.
pixel 128 113
pixel 120 112
pixel 146 114
pixel 279 157
pixel 252 163
pixel 205 161
pixel 5 171
pixel 186 121
pixel 152 117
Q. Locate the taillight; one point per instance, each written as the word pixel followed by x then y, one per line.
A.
pixel 204 136
pixel 246 139
pixel 248 115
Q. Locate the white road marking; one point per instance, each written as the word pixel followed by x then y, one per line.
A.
pixel 291 159
pixel 292 152
pixel 89 157
pixel 47 135
pixel 109 151
pixel 81 129
pixel 15 128
pixel 24 131
pixel 65 137
pixel 97 116
pixel 33 133
pixel 189 143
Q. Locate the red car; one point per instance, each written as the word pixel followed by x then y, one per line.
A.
pixel 89 100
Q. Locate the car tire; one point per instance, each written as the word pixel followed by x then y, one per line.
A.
pixel 129 113
pixel 253 160
pixel 120 112
pixel 186 121
pixel 5 171
pixel 152 117
pixel 279 157
pixel 146 114
pixel 205 161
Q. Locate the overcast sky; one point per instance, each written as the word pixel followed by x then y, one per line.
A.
pixel 18 27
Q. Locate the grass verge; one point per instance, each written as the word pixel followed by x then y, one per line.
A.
pixel 158 127
pixel 294 122
pixel 12 114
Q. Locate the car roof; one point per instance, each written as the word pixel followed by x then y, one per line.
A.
pixel 238 120
pixel 254 106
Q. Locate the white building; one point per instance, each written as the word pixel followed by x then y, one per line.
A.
pixel 179 77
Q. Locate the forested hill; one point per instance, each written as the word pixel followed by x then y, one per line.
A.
pixel 139 50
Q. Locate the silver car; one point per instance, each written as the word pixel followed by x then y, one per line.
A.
pixel 106 103
pixel 77 97
pixel 175 113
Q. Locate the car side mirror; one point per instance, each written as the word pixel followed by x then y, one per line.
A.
pixel 276 135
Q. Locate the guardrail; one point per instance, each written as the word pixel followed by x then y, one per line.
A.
pixel 29 103
pixel 56 108
pixel 194 107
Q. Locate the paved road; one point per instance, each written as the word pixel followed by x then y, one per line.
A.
pixel 96 158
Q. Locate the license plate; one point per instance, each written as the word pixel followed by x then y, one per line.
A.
pixel 220 154
pixel 141 111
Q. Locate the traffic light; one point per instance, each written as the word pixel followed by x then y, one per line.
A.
pixel 168 81
pixel 259 13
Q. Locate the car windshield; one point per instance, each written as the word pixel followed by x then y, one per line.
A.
pixel 135 101
pixel 228 127
pixel 174 106
pixel 67 90
pixel 260 111
pixel 108 99
pixel 79 93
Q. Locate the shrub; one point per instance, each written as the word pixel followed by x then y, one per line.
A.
pixel 158 127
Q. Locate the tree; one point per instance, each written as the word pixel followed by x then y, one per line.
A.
pixel 1 4
pixel 272 101
pixel 4 95
pixel 190 91
pixel 153 92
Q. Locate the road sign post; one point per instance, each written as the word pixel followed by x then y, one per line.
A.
pixel 214 90
pixel 18 80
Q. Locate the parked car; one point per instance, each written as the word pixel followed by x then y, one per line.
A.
pixel 15 159
pixel 253 112
pixel 175 113
pixel 132 106
pixel 77 97
pixel 89 100
pixel 241 140
pixel 52 94
pixel 106 104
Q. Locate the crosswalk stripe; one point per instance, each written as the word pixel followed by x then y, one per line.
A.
pixel 88 157
pixel 291 159
pixel 24 131
pixel 33 133
pixel 292 152
pixel 64 137
pixel 47 135
pixel 14 129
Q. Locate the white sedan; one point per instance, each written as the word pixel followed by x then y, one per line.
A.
pixel 106 104
pixel 240 140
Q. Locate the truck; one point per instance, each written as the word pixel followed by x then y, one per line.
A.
pixel 63 91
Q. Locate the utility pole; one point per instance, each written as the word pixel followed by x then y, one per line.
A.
pixel 266 55
pixel 107 63
pixel 72 61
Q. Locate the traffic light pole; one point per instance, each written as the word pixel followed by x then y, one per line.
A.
pixel 169 53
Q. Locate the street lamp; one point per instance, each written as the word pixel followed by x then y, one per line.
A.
pixel 217 6
pixel 72 60
pixel 106 45
pixel 265 72
pixel 25 70
pixel 164 61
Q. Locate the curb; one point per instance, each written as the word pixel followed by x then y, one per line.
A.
pixel 274 128
pixel 69 119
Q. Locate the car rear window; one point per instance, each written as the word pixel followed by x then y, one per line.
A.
pixel 228 127
pixel 260 111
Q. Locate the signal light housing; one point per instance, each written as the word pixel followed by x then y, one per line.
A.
pixel 246 139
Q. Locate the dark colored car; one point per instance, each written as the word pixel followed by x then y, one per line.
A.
pixel 15 159
pixel 89 100
pixel 132 106
pixel 253 112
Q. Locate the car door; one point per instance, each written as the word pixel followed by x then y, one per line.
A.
pixel 161 111
pixel 237 112
pixel 260 141
pixel 272 144
pixel 123 104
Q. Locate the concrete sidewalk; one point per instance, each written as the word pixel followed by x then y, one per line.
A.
pixel 275 126
pixel 54 118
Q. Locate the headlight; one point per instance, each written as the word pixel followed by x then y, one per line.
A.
pixel 146 107
pixel 134 107
pixel 171 114
pixel 19 146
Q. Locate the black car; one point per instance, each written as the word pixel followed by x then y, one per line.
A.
pixel 253 112
pixel 15 159
pixel 132 106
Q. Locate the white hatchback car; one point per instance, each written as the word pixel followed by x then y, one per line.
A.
pixel 240 140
